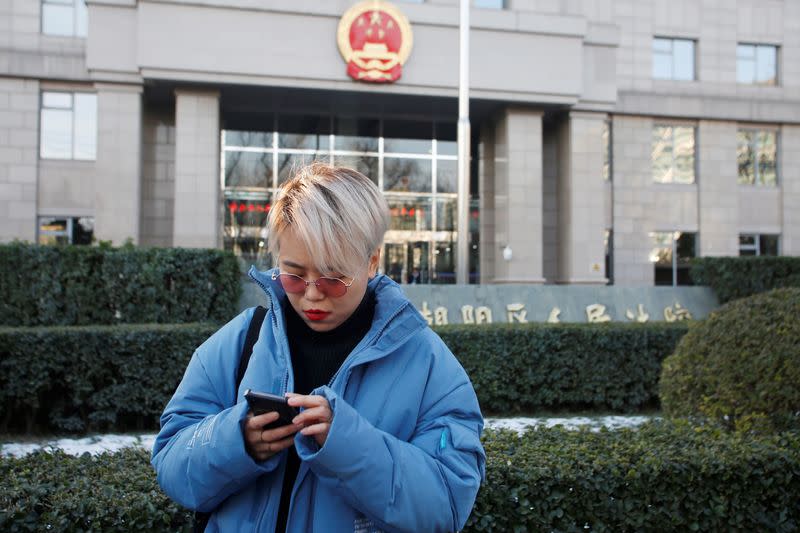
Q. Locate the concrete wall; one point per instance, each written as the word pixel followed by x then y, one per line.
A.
pixel 197 215
pixel 790 186
pixel 119 157
pixel 719 198
pixel 581 199
pixel 717 26
pixel 19 145
pixel 518 198
pixel 550 169
pixel 182 40
pixel 158 176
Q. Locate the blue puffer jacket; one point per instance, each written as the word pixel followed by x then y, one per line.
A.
pixel 403 452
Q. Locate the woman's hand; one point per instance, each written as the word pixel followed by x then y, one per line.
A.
pixel 262 443
pixel 315 419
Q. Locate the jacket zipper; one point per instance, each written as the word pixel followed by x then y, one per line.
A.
pixel 377 335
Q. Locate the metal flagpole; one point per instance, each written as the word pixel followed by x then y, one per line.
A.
pixel 462 257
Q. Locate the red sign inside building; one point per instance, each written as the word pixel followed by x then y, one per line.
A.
pixel 375 40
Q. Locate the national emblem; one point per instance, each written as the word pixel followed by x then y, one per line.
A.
pixel 374 39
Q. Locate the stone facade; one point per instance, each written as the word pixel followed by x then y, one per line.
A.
pixel 165 91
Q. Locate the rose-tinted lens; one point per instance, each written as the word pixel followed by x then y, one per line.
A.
pixel 332 287
pixel 292 283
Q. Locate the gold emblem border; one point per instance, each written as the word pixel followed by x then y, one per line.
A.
pixel 343 32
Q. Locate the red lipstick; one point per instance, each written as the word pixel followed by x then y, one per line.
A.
pixel 316 314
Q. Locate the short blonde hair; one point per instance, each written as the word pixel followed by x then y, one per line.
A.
pixel 339 214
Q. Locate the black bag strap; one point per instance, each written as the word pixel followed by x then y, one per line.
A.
pixel 249 342
pixel 201 519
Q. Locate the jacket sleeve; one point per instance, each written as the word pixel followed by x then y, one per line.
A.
pixel 426 484
pixel 199 455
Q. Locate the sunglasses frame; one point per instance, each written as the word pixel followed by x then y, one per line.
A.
pixel 276 277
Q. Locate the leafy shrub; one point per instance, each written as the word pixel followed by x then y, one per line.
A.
pixel 740 366
pixel 78 285
pixel 92 378
pixel 121 377
pixel 110 492
pixel 737 277
pixel 662 477
pixel 524 367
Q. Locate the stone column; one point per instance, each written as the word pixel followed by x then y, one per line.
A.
pixel 197 222
pixel 119 158
pixel 517 210
pixel 19 155
pixel 789 179
pixel 718 192
pixel 581 200
pixel 634 200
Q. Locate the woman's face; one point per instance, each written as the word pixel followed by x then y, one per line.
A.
pixel 319 311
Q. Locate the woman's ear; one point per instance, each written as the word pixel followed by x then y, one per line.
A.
pixel 374 261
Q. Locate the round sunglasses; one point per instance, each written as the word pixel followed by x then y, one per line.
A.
pixel 294 284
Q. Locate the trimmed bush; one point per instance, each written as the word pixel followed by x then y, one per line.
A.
pixel 525 367
pixel 110 492
pixel 78 285
pixel 662 477
pixel 92 378
pixel 737 277
pixel 741 366
pixel 121 377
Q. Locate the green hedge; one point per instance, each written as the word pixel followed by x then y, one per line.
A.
pixel 121 377
pixel 737 277
pixel 92 377
pixel 661 477
pixel 77 285
pixel 110 492
pixel 525 367
pixel 741 366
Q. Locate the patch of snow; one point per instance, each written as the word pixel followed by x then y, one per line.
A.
pixel 594 423
pixel 94 445
pixel 111 443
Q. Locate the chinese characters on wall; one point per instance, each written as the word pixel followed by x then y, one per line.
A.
pixel 516 313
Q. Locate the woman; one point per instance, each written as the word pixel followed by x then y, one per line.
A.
pixel 388 433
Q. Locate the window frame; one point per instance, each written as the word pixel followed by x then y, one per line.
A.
pixel 754 146
pixel 674 166
pixel 672 57
pixel 756 246
pixel 69 232
pixel 676 235
pixel 80 24
pixel 74 125
pixel 755 81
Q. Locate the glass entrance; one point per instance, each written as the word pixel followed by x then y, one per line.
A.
pixel 407 262
pixel 413 163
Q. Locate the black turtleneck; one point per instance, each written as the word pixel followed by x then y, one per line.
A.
pixel 316 356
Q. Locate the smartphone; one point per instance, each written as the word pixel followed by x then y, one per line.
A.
pixel 264 402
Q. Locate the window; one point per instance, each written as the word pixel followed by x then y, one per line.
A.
pixel 754 244
pixel 69 126
pixel 64 17
pixel 757 157
pixel 413 162
pixel 607 150
pixel 757 64
pixel 673 154
pixel 673 59
pixel 671 256
pixel 66 230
